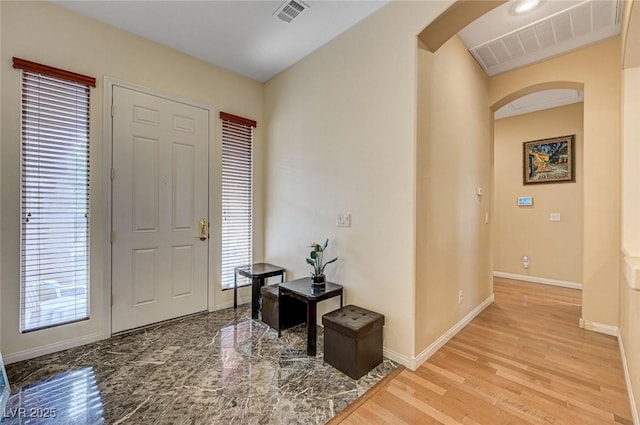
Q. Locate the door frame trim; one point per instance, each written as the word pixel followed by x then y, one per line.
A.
pixel 107 205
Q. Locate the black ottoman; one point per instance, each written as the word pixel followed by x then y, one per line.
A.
pixel 353 340
pixel 294 311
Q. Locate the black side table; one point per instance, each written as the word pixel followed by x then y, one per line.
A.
pixel 257 273
pixel 301 289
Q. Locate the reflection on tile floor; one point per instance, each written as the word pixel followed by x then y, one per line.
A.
pixel 217 368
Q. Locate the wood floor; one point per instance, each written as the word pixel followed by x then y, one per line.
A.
pixel 521 361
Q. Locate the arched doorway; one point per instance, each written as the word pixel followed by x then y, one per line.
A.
pixel 597 70
pixel 538 228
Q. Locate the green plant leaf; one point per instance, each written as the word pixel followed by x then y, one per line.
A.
pixel 311 262
pixel 329 262
pixel 326 243
pixel 325 265
pixel 314 255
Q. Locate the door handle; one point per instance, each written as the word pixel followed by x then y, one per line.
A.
pixel 204 229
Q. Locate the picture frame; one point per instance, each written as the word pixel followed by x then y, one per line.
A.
pixel 549 160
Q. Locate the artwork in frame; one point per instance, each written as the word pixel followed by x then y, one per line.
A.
pixel 549 160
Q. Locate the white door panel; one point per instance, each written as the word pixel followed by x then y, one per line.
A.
pixel 160 194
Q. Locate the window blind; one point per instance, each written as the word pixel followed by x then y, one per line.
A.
pixel 54 260
pixel 237 194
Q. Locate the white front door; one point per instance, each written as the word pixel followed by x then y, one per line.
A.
pixel 160 197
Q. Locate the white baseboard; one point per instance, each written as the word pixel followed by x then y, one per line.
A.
pixel 542 280
pixel 598 327
pixel 227 304
pixel 627 378
pixel 438 343
pixel 397 357
pixel 51 348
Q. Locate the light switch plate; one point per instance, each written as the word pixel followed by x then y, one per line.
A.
pixel 554 217
pixel 343 220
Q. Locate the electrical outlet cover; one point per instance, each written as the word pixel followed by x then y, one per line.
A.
pixel 343 220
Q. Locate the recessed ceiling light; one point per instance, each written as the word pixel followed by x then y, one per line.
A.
pixel 526 6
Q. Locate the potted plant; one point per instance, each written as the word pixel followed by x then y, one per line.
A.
pixel 316 260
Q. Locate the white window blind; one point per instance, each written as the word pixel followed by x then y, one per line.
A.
pixel 237 194
pixel 55 196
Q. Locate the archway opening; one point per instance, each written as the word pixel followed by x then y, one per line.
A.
pixel 538 185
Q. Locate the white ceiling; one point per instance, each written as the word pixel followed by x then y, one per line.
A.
pixel 502 40
pixel 246 36
pixel 242 36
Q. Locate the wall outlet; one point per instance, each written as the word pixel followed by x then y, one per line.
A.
pixel 525 262
pixel 460 296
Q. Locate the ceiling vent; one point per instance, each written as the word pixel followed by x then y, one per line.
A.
pixel 586 23
pixel 290 10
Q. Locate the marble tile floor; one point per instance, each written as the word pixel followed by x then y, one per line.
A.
pixel 216 368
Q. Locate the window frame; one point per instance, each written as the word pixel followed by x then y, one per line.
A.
pixel 234 130
pixel 54 152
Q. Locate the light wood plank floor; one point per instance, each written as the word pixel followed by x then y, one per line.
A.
pixel 521 361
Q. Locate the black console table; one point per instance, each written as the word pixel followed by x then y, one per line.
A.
pixel 257 273
pixel 301 289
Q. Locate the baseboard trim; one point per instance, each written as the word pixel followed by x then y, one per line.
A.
pixel 51 348
pixel 228 304
pixel 396 357
pixel 627 378
pixel 444 338
pixel 598 327
pixel 542 280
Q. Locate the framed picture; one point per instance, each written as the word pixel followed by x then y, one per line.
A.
pixel 549 160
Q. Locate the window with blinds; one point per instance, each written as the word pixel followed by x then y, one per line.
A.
pixel 237 195
pixel 54 261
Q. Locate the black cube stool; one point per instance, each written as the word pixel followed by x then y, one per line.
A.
pixel 353 340
pixel 294 311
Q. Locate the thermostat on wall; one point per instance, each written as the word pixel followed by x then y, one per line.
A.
pixel 525 201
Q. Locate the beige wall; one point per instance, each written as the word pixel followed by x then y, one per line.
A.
pixel 629 321
pixel 453 159
pixel 60 38
pixel 598 69
pixel 630 282
pixel 554 249
pixel 630 169
pixel 342 139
